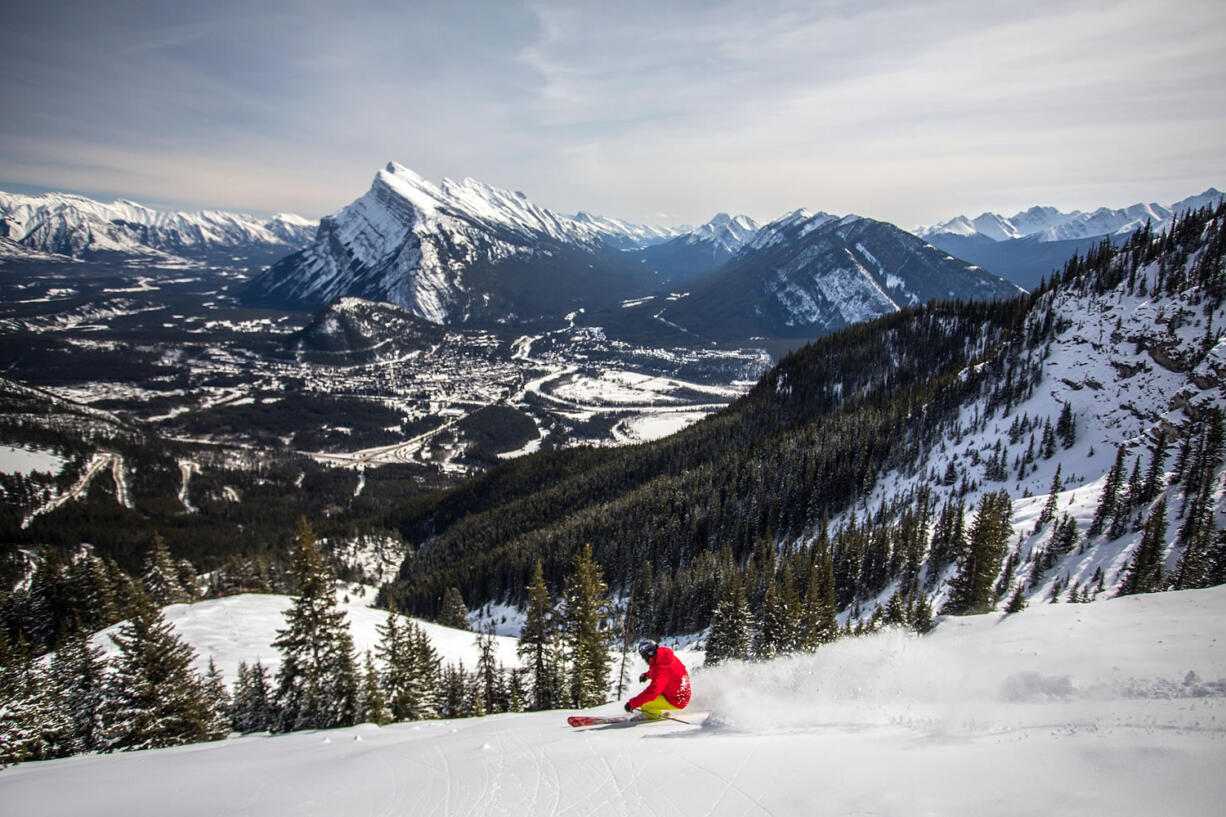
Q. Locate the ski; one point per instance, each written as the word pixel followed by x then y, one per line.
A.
pixel 596 720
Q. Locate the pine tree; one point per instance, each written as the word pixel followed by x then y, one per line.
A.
pixel 454 612
pixel 399 679
pixel 1196 563
pixel 586 608
pixel 1053 499
pixel 372 702
pixel 775 625
pixel 153 698
pixel 424 696
pixel 94 593
pixel 487 673
pixel 972 588
pixel 317 683
pixel 948 540
pixel 1144 573
pixel 251 709
pixel 50 603
pixel 1109 501
pixel 729 637
pixel 921 614
pixel 1065 536
pixel 1017 602
pixel 535 645
pixel 1066 426
pixel 78 672
pixel 1136 486
pixel 818 622
pixel 1047 448
pixel 219 702
pixel 160 576
pixel 453 691
pixel 33 724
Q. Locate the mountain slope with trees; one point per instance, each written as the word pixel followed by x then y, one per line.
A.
pixel 882 447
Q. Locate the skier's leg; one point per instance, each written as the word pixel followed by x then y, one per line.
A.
pixel 653 708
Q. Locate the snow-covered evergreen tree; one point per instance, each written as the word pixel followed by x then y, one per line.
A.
pixel 153 698
pixel 317 684
pixel 730 637
pixel 454 611
pixel 372 702
pixel 972 590
pixel 34 725
pixel 219 702
pixel 251 709
pixel 1109 501
pixel 78 672
pixel 1144 572
pixel 585 613
pixel 161 575
pixel 535 647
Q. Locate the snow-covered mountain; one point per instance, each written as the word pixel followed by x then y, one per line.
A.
pixel 623 235
pixel 691 255
pixel 77 226
pixel 809 274
pixel 726 234
pixel 1111 708
pixel 1047 224
pixel 1028 246
pixel 457 252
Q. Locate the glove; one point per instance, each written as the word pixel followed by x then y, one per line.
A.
pixel 644 678
pixel 628 707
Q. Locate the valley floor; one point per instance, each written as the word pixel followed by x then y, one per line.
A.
pixel 1116 707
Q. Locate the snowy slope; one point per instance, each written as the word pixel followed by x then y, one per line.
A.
pixel 242 628
pixel 1047 224
pixel 77 226
pixel 1128 365
pixel 1113 708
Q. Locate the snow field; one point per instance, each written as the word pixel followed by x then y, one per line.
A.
pixel 243 628
pixel 1061 709
pixel 26 461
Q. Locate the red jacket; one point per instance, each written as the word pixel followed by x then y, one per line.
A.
pixel 668 678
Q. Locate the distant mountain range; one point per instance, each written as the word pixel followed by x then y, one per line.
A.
pixel 75 226
pixel 807 275
pixel 1029 245
pixel 1047 224
pixel 467 253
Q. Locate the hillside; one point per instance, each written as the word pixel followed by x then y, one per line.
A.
pixel 880 430
pixel 1030 714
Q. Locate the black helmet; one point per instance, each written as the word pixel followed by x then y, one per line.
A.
pixel 647 649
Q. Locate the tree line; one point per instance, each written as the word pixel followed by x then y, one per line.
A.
pixel 74 700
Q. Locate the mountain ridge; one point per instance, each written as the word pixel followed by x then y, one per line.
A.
pixel 72 225
pixel 1048 224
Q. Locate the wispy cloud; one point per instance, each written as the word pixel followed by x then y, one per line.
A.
pixel 910 112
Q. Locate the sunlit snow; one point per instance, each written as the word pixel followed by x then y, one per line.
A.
pixel 1116 707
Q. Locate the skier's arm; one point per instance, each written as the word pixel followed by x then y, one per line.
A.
pixel 650 694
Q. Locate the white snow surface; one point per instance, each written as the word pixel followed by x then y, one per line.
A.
pixel 1117 707
pixel 14 460
pixel 243 628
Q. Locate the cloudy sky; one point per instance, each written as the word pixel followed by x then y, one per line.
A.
pixel 657 112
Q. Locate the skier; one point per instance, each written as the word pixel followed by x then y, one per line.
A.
pixel 670 682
